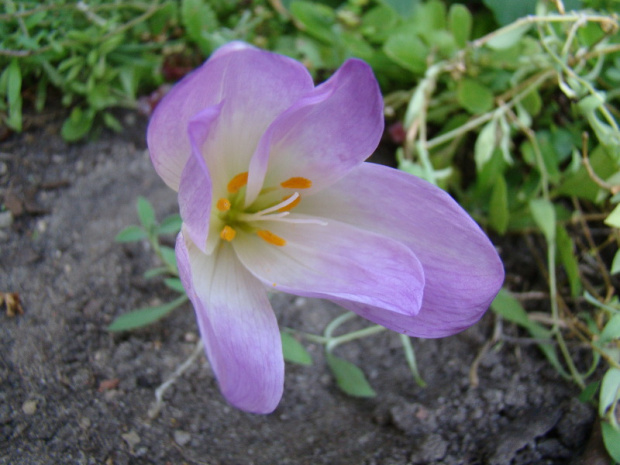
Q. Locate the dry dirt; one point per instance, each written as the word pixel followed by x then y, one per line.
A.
pixel 73 393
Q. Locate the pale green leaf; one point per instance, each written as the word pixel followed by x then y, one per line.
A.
pixel 613 219
pixel 131 234
pixel 460 23
pixel 611 439
pixel 474 97
pixel 498 206
pixel 144 316
pixel 146 213
pixel 544 216
pixel 350 378
pixel 611 330
pixel 175 284
pixel 294 351
pixel 485 144
pixel 610 389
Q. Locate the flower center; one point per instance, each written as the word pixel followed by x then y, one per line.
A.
pixel 235 217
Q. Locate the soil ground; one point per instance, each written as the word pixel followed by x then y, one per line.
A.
pixel 73 393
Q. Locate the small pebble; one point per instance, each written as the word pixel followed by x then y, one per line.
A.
pixel 182 437
pixel 6 219
pixel 29 407
pixel 131 438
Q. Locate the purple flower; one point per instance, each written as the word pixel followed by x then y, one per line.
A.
pixel 274 193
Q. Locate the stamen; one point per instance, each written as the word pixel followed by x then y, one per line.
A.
pixel 297 183
pixel 291 205
pixel 271 238
pixel 237 182
pixel 223 205
pixel 228 233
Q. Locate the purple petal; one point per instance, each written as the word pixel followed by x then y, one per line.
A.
pixel 462 269
pixel 323 135
pixel 237 324
pixel 256 85
pixel 196 187
pixel 335 261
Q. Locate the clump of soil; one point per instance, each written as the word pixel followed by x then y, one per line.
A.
pixel 72 393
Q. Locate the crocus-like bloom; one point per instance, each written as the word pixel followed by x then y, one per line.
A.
pixel 274 193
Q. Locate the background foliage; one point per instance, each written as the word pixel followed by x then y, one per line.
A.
pixel 510 106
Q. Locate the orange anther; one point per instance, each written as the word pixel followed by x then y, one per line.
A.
pixel 270 237
pixel 297 183
pixel 237 182
pixel 228 233
pixel 223 205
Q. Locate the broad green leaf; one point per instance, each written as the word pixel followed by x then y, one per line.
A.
pixel 144 316
pixel 168 256
pixel 350 378
pixel 170 225
pixel 460 22
pixel 474 97
pixel 404 8
pixel 544 216
pixel 611 330
pixel 315 19
pixel 506 12
pixel 175 284
pixel 587 395
pixel 610 390
pixel 111 122
pixel 485 144
pixel 77 125
pixel 611 438
pixel 145 213
pixel 566 250
pixel 378 23
pixel 498 206
pixel 613 219
pixel 510 309
pixel 508 38
pixel 131 234
pixel 294 351
pixel 408 50
pixel 580 184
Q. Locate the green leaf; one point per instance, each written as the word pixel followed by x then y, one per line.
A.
pixel 611 438
pixel 350 378
pixel 506 12
pixel 498 206
pixel 611 330
pixel 610 390
pixel 14 95
pixel 146 213
pixel 613 219
pixel 544 216
pixel 198 18
pixel 168 256
pixel 485 144
pixel 460 22
pixel 175 284
pixel 153 272
pixel 131 234
pixel 293 351
pixel 510 309
pixel 566 250
pixel 408 50
pixel 615 264
pixel 587 395
pixel 110 121
pixel 508 38
pixel 474 97
pixel 580 184
pixel 404 8
pixel 77 125
pixel 315 19
pixel 144 316
pixel 170 225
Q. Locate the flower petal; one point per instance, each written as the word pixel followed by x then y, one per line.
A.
pixel 196 186
pixel 335 261
pixel 463 272
pixel 237 324
pixel 257 86
pixel 323 135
